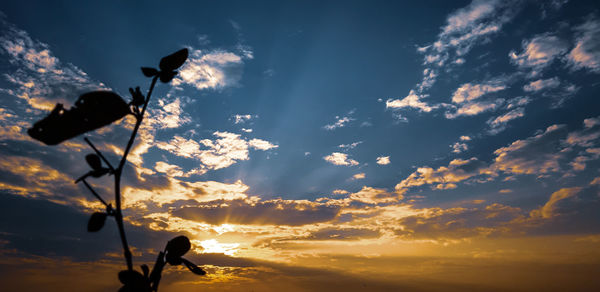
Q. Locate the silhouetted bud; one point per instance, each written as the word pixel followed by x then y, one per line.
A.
pixel 173 61
pixel 178 246
pixel 173 260
pixel 94 161
pixel 133 281
pixel 149 72
pixel 146 270
pixel 137 98
pixel 96 222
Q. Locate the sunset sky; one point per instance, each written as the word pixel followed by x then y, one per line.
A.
pixel 311 145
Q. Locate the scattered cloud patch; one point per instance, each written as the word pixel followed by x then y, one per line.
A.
pixel 214 69
pixel 542 84
pixel 586 53
pixel 338 158
pixel 358 176
pixel 383 160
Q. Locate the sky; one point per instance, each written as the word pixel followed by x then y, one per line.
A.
pixel 311 145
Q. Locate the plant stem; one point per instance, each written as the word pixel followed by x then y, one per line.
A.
pixel 119 171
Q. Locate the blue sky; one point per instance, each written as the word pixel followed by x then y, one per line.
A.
pixel 338 108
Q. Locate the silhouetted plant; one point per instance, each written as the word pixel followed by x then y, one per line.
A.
pixel 97 109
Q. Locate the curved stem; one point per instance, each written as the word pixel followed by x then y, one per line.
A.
pixel 119 171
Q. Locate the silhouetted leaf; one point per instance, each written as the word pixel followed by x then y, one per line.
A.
pixel 178 246
pixel 96 222
pixel 99 172
pixel 192 267
pixel 133 281
pixel 91 111
pixel 137 98
pixel 166 76
pixel 173 61
pixel 149 72
pixel 94 161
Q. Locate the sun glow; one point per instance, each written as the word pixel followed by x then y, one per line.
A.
pixel 213 246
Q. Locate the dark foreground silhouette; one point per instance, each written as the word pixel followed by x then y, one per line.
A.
pixel 97 109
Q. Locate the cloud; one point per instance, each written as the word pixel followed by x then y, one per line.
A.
pixel 216 69
pixel 383 160
pixel 468 92
pixel 465 138
pixel 340 122
pixel 459 222
pixel 359 176
pixel 498 124
pixel 41 79
pixel 542 84
pixel 549 209
pixel 369 195
pixel 349 146
pixel 169 115
pixel 338 158
pixel 474 108
pixel 586 53
pixel 535 155
pixel 339 192
pixel 459 147
pixel 539 52
pixel 270 212
pixel 241 119
pixel 227 149
pixel 457 170
pixel 260 144
pixel 411 101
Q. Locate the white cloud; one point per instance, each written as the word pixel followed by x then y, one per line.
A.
pixel 261 144
pixel 465 138
pixel 41 79
pixel 357 176
pixel 225 150
pixel 215 69
pixel 241 119
pixel 412 100
pixel 169 115
pixel 541 84
pixel 459 147
pixel 350 146
pixel 474 108
pixel 468 92
pixel 383 160
pixel 498 124
pixel 338 158
pixel 586 53
pixel 340 122
pixel 539 52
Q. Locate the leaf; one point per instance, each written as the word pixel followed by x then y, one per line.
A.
pixel 192 267
pixel 96 221
pixel 178 246
pixel 99 172
pixel 149 72
pixel 173 61
pixel 91 111
pixel 166 76
pixel 94 161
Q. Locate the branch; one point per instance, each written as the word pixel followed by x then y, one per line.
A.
pixel 112 170
pixel 119 171
pixel 94 193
